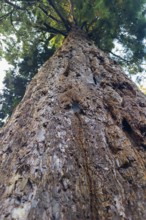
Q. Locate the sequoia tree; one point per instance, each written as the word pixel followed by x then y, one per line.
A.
pixel 74 147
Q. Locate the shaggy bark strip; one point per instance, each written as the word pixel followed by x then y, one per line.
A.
pixel 75 147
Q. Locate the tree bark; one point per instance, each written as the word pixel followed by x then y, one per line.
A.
pixel 75 146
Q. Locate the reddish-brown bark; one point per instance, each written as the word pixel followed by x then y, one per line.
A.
pixel 75 146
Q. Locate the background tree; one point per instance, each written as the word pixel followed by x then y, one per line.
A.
pixel 74 147
pixel 18 77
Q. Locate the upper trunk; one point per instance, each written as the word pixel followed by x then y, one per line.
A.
pixel 75 146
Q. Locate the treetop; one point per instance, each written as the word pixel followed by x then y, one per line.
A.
pixel 103 20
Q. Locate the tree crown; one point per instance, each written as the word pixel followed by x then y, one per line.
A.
pixel 103 20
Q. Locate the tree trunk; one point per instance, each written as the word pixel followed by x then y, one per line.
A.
pixel 74 149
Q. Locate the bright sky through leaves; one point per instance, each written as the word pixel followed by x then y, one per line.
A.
pixel 3 67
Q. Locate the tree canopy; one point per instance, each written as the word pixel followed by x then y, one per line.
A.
pixel 103 20
pixel 30 28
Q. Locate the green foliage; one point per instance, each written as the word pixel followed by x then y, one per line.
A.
pixel 103 20
pixel 30 27
pixel 17 78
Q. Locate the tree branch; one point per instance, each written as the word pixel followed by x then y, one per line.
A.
pixel 14 5
pixel 6 15
pixel 72 11
pixel 60 15
pixel 54 29
pixel 92 22
pixel 127 61
pixel 50 16
pixel 50 29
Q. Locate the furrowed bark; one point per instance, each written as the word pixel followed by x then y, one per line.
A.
pixel 75 146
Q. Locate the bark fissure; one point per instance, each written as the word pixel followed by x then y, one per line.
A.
pixel 80 140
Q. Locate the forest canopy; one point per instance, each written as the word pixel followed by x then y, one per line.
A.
pixel 31 30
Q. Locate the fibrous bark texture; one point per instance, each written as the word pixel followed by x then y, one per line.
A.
pixel 75 146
